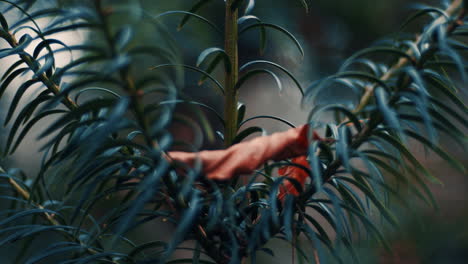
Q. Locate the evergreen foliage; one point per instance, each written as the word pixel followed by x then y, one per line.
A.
pixel 109 140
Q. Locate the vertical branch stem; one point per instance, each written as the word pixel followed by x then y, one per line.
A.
pixel 231 93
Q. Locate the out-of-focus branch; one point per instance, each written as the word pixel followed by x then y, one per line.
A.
pixel 454 7
pixel 367 129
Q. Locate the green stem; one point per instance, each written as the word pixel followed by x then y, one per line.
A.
pixel 231 93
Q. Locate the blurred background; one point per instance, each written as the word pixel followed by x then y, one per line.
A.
pixel 330 32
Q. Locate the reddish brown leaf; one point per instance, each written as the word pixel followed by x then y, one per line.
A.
pixel 293 172
pixel 245 157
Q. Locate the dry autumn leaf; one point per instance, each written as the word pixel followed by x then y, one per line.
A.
pixel 293 172
pixel 245 157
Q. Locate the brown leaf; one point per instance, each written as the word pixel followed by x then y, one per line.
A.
pixel 293 172
pixel 245 157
